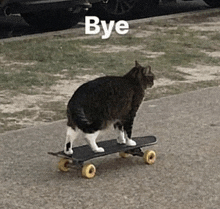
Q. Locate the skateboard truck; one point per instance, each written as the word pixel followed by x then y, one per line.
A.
pixel 135 152
pixel 105 1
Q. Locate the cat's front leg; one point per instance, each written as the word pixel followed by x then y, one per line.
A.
pixel 121 137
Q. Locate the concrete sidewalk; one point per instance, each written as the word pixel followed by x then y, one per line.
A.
pixel 186 173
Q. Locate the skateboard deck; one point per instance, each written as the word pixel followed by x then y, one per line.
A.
pixel 84 153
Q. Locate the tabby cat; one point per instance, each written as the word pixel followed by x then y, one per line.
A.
pixel 104 101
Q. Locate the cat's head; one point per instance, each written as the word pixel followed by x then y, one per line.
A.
pixel 142 75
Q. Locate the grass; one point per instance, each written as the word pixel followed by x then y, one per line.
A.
pixel 32 66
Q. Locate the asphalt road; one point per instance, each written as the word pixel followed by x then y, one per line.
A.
pixel 13 26
pixel 185 175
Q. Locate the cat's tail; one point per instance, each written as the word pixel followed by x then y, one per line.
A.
pixel 78 118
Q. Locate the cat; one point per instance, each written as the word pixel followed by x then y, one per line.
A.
pixel 109 100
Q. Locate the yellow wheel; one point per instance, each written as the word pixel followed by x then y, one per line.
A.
pixel 149 157
pixel 88 171
pixel 123 154
pixel 63 165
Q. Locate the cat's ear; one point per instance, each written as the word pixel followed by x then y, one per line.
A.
pixel 147 70
pixel 137 64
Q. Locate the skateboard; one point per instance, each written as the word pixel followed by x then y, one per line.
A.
pixel 85 153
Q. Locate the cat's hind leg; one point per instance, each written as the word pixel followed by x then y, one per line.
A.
pixel 71 135
pixel 128 131
pixel 120 132
pixel 91 139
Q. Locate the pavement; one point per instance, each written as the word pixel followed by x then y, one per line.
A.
pixel 186 173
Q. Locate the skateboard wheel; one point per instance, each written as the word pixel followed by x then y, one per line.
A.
pixel 62 165
pixel 123 154
pixel 149 157
pixel 88 171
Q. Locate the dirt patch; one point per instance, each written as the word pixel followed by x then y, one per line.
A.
pixel 112 48
pixel 201 73
pixel 192 75
pixel 206 26
pixel 66 88
pixel 212 54
pixel 8 63
pixel 142 34
pixel 163 82
pixel 28 110
pixel 123 48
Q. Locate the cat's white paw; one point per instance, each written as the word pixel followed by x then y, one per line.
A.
pixel 99 149
pixel 131 142
pixel 69 152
